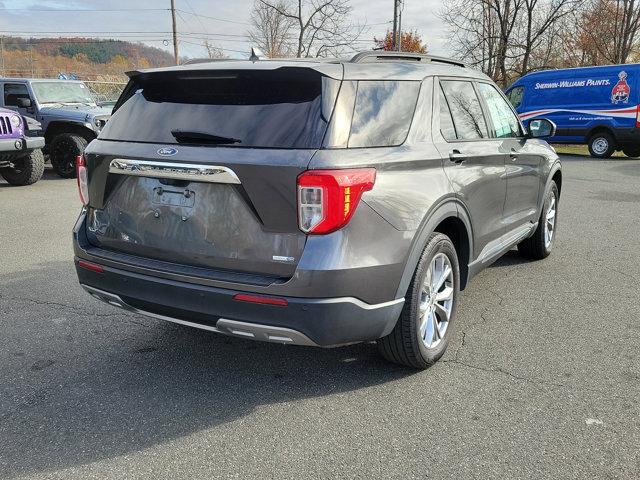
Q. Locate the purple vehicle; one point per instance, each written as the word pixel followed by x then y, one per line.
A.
pixel 21 160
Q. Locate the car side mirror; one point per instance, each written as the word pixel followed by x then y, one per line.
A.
pixel 541 127
pixel 24 102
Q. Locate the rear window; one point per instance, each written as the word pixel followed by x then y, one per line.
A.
pixel 285 108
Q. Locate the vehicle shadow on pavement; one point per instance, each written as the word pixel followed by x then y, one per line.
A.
pixel 83 381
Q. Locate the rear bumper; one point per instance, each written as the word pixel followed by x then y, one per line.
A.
pixel 304 321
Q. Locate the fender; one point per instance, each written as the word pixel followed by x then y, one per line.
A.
pixel 557 166
pixel 447 208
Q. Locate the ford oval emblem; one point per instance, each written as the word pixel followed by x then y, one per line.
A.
pixel 167 152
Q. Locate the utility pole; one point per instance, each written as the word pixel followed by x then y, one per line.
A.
pixel 401 2
pixel 175 33
pixel 394 40
pixel 2 53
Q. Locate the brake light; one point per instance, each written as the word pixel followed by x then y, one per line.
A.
pixel 83 179
pixel 278 302
pixel 638 116
pixel 327 199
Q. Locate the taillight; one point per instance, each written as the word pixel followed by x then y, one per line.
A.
pixel 638 116
pixel 83 179
pixel 327 199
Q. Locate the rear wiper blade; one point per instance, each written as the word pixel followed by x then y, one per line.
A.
pixel 183 136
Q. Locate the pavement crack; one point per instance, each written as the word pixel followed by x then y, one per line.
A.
pixel 537 383
pixel 79 311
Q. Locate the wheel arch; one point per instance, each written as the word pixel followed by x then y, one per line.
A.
pixel 451 219
pixel 56 128
pixel 600 129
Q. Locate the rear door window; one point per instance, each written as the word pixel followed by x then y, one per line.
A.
pixel 446 122
pixel 383 113
pixel 465 109
pixel 505 122
pixel 283 108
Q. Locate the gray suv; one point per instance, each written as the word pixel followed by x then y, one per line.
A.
pixel 66 109
pixel 312 202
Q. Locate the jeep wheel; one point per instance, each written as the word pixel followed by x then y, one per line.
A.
pixel 423 330
pixel 602 145
pixel 539 245
pixel 27 169
pixel 63 152
pixel 632 152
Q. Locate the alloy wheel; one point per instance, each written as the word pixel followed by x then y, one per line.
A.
pixel 550 221
pixel 436 301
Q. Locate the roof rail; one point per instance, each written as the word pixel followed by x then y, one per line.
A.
pixel 383 56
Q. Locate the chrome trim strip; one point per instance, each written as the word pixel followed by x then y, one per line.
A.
pixel 234 328
pixel 506 242
pixel 177 171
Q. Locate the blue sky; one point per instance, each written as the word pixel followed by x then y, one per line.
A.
pixel 226 28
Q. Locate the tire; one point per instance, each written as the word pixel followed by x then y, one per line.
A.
pixel 28 169
pixel 602 145
pixel 405 344
pixel 537 247
pixel 632 152
pixel 63 152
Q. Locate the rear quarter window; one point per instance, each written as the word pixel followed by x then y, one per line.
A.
pixel 383 112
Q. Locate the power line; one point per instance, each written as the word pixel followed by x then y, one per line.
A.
pixel 213 18
pixel 77 10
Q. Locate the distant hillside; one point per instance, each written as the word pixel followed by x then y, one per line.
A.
pixel 84 57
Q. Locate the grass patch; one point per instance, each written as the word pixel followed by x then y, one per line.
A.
pixel 580 150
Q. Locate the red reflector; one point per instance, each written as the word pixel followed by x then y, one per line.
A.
pixel 280 302
pixel 90 266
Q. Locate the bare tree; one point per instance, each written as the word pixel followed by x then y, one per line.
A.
pixel 270 31
pixel 320 27
pixel 540 17
pixel 505 38
pixel 213 51
pixel 610 29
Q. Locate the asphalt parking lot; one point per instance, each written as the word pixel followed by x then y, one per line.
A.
pixel 542 379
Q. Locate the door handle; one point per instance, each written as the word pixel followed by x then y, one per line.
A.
pixel 457 157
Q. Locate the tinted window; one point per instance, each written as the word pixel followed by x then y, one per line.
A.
pixel 516 95
pixel 446 122
pixel 14 91
pixel 465 108
pixel 274 109
pixel 383 113
pixel 505 123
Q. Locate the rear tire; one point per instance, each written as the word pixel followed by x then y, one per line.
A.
pixel 63 152
pixel 423 330
pixel 27 171
pixel 602 145
pixel 632 152
pixel 539 245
